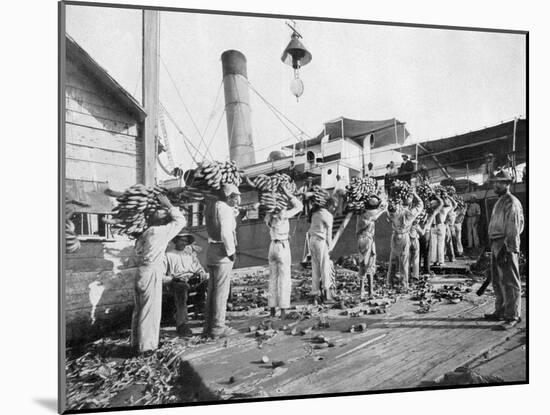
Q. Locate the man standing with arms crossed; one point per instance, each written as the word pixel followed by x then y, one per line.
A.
pixel 505 228
pixel 222 241
pixel 164 225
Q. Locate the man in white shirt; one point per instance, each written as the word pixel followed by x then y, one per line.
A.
pixel 402 219
pixel 339 194
pixel 439 232
pixel 221 226
pixel 164 224
pixel 183 265
pixel 320 239
pixel 279 255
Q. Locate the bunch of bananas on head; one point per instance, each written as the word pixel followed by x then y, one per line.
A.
pixel 399 192
pixel 213 174
pixel 320 196
pixel 135 206
pixel 272 199
pixel 358 192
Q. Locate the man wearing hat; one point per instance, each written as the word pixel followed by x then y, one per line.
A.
pixel 364 231
pixel 164 224
pixel 505 227
pixel 221 227
pixel 183 265
pixel 303 191
pixel 406 169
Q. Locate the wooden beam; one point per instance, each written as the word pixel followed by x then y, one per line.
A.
pixel 150 93
pixel 461 147
pixel 443 169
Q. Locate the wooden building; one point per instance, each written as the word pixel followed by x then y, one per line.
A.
pixel 104 148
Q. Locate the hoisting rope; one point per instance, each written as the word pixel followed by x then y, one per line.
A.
pixel 277 112
pixel 186 140
pixel 166 143
pixel 210 118
pixel 183 102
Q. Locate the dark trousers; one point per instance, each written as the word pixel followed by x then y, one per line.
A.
pixel 424 241
pixel 506 282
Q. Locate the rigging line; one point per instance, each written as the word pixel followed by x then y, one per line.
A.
pixel 275 108
pixel 186 140
pixel 216 130
pixel 181 98
pixel 271 145
pixel 207 146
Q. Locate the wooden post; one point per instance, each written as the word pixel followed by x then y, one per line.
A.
pixel 150 73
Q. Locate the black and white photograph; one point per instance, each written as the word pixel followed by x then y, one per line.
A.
pixel 259 207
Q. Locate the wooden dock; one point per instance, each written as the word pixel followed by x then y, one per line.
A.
pixel 399 350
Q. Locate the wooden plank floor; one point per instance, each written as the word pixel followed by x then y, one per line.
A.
pixel 399 350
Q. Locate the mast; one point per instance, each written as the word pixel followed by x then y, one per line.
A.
pixel 150 85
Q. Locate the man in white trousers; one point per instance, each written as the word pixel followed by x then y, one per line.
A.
pixel 473 212
pixel 279 255
pixel 402 219
pixel 320 241
pixel 164 225
pixel 439 232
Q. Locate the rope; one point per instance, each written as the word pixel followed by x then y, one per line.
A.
pixel 185 138
pixel 216 130
pixel 207 150
pixel 273 108
pixel 182 101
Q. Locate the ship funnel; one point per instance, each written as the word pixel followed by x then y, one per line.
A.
pixel 237 108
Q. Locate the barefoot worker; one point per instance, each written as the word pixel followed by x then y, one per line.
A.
pixel 364 231
pixel 279 255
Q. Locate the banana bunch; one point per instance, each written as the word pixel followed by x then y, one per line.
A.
pixel 320 196
pixel 272 202
pixel 72 243
pixel 399 192
pixel 214 174
pixel 273 183
pixel 358 192
pixel 135 206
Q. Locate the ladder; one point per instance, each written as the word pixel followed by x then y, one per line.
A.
pixel 166 141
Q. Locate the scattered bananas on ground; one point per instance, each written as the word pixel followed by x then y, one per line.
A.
pixel 358 192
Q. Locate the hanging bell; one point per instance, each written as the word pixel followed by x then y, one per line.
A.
pixel 296 54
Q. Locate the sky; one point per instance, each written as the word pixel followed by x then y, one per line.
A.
pixel 440 82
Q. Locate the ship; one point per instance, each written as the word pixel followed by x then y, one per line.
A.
pixel 112 142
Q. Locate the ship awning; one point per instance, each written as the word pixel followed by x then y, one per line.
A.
pixel 90 193
pixel 385 132
pixel 470 150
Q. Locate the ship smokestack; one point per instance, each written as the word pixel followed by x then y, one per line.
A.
pixel 237 108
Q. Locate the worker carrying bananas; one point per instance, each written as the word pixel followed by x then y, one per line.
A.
pixel 439 232
pixel 183 265
pixel 164 224
pixel 402 218
pixel 364 231
pixel 279 255
pixel 220 212
pixel 504 230
pixel 320 241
